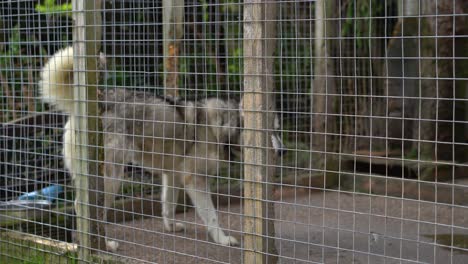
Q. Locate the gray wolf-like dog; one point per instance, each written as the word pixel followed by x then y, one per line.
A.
pixel 179 139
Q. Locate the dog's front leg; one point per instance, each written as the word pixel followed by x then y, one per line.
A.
pixel 113 174
pixel 198 190
pixel 170 194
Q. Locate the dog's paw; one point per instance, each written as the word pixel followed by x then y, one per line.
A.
pixel 112 246
pixel 229 241
pixel 175 227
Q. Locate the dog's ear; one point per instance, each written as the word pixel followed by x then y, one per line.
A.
pixel 102 61
pixel 102 67
pixel 241 107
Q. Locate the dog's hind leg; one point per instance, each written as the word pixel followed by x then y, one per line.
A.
pixel 113 173
pixel 199 191
pixel 169 197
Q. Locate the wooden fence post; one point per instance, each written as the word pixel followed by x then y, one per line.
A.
pixel 258 102
pixel 322 96
pixel 173 30
pixel 88 184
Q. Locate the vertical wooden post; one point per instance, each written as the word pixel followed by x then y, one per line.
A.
pixel 88 184
pixel 323 101
pixel 173 30
pixel 258 102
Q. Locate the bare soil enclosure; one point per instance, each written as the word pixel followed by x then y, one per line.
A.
pixel 315 227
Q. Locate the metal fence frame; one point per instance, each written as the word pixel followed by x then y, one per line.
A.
pixel 396 119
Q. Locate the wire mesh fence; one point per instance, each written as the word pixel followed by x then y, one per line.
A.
pixel 281 131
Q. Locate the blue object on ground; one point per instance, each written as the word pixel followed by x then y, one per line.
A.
pixel 49 193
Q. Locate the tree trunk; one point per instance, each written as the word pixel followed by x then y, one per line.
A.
pixel 435 129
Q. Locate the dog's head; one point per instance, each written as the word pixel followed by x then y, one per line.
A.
pixel 226 121
pixel 223 119
pixel 277 143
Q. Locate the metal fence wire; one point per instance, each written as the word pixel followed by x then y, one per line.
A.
pixel 326 131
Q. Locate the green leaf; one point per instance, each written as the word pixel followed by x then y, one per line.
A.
pixel 50 7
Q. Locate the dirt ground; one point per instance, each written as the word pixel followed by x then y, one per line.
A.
pixel 313 227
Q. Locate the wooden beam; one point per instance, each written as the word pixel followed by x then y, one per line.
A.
pixel 88 184
pixel 258 103
pixel 173 30
pixel 25 247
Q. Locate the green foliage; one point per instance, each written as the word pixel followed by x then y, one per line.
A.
pixel 412 154
pixel 235 66
pixel 203 71
pixel 138 189
pixel 50 7
pixel 16 67
pixel 18 251
pixel 359 19
pixel 231 6
pixel 118 78
pixel 12 56
pixel 205 11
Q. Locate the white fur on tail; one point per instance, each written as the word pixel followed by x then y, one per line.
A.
pixel 56 84
pixel 56 88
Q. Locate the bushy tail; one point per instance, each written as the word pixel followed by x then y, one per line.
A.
pixel 56 83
